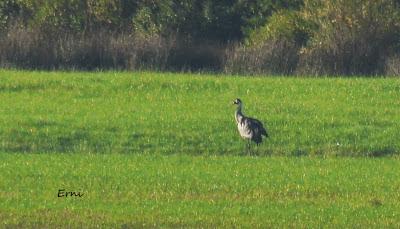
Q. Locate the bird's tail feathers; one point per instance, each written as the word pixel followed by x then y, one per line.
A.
pixel 264 132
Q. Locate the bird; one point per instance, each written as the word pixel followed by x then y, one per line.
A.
pixel 250 129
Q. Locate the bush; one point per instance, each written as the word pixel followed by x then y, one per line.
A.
pixel 197 56
pixel 317 37
pixel 271 49
pixel 277 57
pixel 31 48
pixel 283 25
pixel 23 47
pixel 352 37
pixel 392 66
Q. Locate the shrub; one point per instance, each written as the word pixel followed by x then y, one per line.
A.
pixel 277 57
pixel 352 37
pixel 392 66
pixel 31 48
pixel 270 49
pixel 318 37
pixel 283 25
pixel 197 56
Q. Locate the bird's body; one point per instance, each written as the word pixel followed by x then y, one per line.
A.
pixel 249 128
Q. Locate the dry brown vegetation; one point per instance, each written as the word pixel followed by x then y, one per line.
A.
pixel 311 37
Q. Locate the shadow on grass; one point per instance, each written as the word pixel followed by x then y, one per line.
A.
pixel 36 137
pixel 382 152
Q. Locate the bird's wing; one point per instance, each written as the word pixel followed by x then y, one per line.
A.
pixel 257 126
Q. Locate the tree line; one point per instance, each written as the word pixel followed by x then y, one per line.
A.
pixel 317 37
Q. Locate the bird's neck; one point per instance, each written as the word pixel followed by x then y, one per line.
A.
pixel 238 113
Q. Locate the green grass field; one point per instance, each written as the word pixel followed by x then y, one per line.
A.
pixel 162 150
pixel 198 191
pixel 193 114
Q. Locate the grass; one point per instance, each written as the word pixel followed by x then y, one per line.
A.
pixel 126 191
pixel 168 113
pixel 162 150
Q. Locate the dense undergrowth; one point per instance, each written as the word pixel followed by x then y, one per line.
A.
pixel 304 37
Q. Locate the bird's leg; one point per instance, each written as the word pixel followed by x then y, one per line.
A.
pixel 248 147
pixel 256 152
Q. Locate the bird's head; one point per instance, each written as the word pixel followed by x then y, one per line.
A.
pixel 237 101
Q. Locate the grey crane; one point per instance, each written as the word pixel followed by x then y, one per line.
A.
pixel 249 128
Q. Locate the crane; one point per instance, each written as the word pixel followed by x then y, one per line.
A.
pixel 250 129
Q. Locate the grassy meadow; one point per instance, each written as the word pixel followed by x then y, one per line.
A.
pixel 153 149
pixel 131 191
pixel 168 113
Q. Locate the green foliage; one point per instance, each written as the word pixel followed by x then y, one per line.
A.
pixel 59 15
pixel 155 17
pixel 143 22
pixel 136 191
pixel 106 13
pixel 187 114
pixel 336 36
pixel 282 25
pixel 324 37
pixel 256 13
pixel 8 9
pixel 353 36
pixel 215 20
